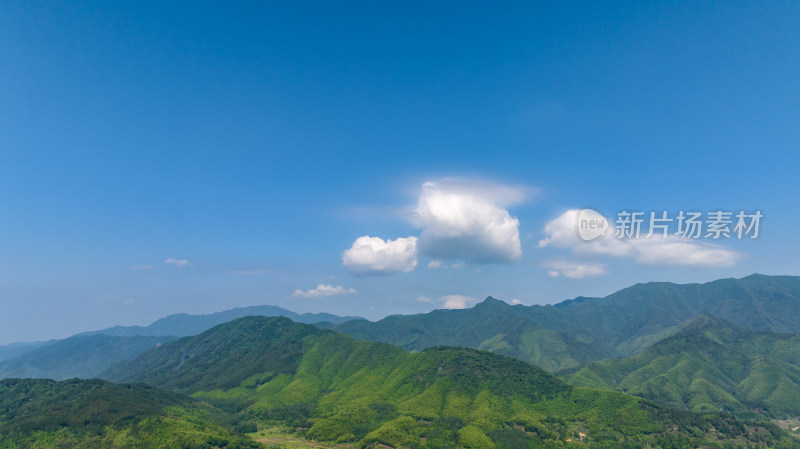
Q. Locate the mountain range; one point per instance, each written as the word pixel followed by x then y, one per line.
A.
pixel 331 387
pixel 724 345
pixel 566 335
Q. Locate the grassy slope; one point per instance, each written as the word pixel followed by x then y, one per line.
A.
pixel 708 365
pixel 37 413
pixel 334 388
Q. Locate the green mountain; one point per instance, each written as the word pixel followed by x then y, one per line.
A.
pixel 709 364
pixel 331 387
pixel 90 414
pixel 492 325
pixel 555 338
pixel 79 356
pixel 581 330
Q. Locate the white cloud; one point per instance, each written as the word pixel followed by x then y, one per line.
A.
pixel 676 251
pixel 323 290
pixel 516 301
pixel 461 220
pixel 142 267
pixel 435 264
pixel 179 263
pixel 574 270
pixel 373 255
pixel 562 232
pixel 440 264
pixel 424 299
pixel 453 302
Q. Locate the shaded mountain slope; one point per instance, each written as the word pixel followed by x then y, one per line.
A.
pixel 709 364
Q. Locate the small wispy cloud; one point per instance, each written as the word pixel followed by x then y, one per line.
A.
pixel 179 263
pixel 254 272
pixel 574 270
pixel 436 264
pixel 142 267
pixel 516 301
pixel 323 290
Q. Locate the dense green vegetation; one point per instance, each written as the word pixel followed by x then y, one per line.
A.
pixel 79 356
pixel 709 365
pixel 92 413
pixel 588 329
pixel 491 325
pixel 330 387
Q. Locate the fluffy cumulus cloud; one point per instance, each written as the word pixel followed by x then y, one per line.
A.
pixel 323 290
pixel 562 233
pixel 468 221
pixel 373 255
pixel 574 270
pixel 459 221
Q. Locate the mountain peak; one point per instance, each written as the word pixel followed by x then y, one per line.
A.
pixel 491 302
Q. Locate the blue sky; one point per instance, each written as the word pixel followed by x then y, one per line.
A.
pixel 253 144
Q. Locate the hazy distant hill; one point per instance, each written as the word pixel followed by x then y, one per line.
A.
pixel 587 329
pixel 12 350
pixel 709 365
pixel 80 356
pixel 70 359
pixel 333 388
pixel 183 324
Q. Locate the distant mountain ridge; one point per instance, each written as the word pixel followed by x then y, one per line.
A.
pixel 83 356
pixel 183 324
pixel 589 329
pixel 87 354
pixel 556 338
